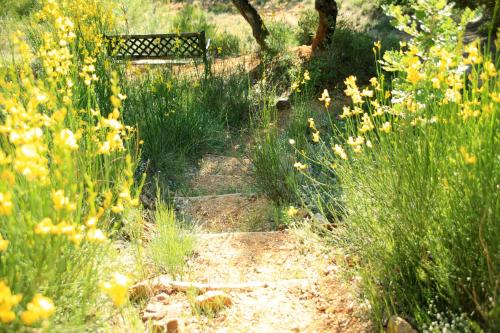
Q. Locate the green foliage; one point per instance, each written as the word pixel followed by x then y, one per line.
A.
pixel 307 25
pixel 17 7
pixel 419 181
pixel 171 243
pixel 281 37
pixel 192 18
pixel 274 173
pixel 349 53
pixel 226 44
pixel 179 117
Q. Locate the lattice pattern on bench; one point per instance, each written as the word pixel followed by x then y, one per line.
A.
pixel 158 46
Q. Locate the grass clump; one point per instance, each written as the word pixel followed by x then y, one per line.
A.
pixel 170 243
pixel 418 171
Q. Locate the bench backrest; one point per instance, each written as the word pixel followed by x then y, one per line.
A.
pixel 158 46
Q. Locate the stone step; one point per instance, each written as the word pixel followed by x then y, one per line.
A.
pixel 228 212
pixel 220 184
pixel 223 165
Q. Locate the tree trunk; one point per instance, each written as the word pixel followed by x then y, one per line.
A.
pixel 328 11
pixel 253 18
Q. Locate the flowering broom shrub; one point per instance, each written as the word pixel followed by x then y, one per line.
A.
pixel 418 167
pixel 65 172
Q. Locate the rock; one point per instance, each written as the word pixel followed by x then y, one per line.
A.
pixel 320 219
pixel 155 311
pixel 161 298
pixel 167 325
pixel 160 311
pixel 399 325
pixel 283 104
pixel 213 301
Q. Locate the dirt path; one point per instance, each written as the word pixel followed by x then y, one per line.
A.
pixel 296 283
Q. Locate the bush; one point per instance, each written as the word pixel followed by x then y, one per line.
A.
pixel 66 173
pixel 349 53
pixel 192 18
pixel 419 175
pixel 17 7
pixel 226 44
pixel 307 25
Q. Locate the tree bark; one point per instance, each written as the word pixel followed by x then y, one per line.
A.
pixel 327 10
pixel 253 18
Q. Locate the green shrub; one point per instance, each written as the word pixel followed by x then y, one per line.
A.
pixel 349 53
pixel 17 7
pixel 192 18
pixel 281 37
pixel 307 25
pixel 226 44
pixel 418 171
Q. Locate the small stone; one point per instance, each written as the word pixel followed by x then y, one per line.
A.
pixel 167 325
pixel 161 298
pixel 213 301
pixel 399 325
pixel 160 311
pixel 320 219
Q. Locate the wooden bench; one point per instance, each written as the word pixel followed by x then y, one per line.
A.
pixel 179 47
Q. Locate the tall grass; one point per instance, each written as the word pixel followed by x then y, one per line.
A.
pixel 171 244
pixel 180 117
pixel 418 168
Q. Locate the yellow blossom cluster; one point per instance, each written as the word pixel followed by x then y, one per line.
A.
pixel 301 81
pixel 40 308
pixel 58 188
pixel 117 288
pixel 7 302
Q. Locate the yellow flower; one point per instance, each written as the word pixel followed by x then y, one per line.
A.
pixel 378 44
pixel 61 201
pixel 299 166
pixel 367 93
pixel 117 288
pixel 4 244
pixel 374 82
pixel 325 97
pixel 44 227
pixel 8 177
pixel 7 302
pixel 386 127
pixel 96 235
pixel 369 144
pixel 315 137
pixel 468 158
pixel 339 151
pixel 66 139
pixel 310 123
pixel 40 308
pixel 292 211
pixel 307 77
pixel 490 68
pixel 366 124
pixel 346 112
pixel 436 83
pixel 5 204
